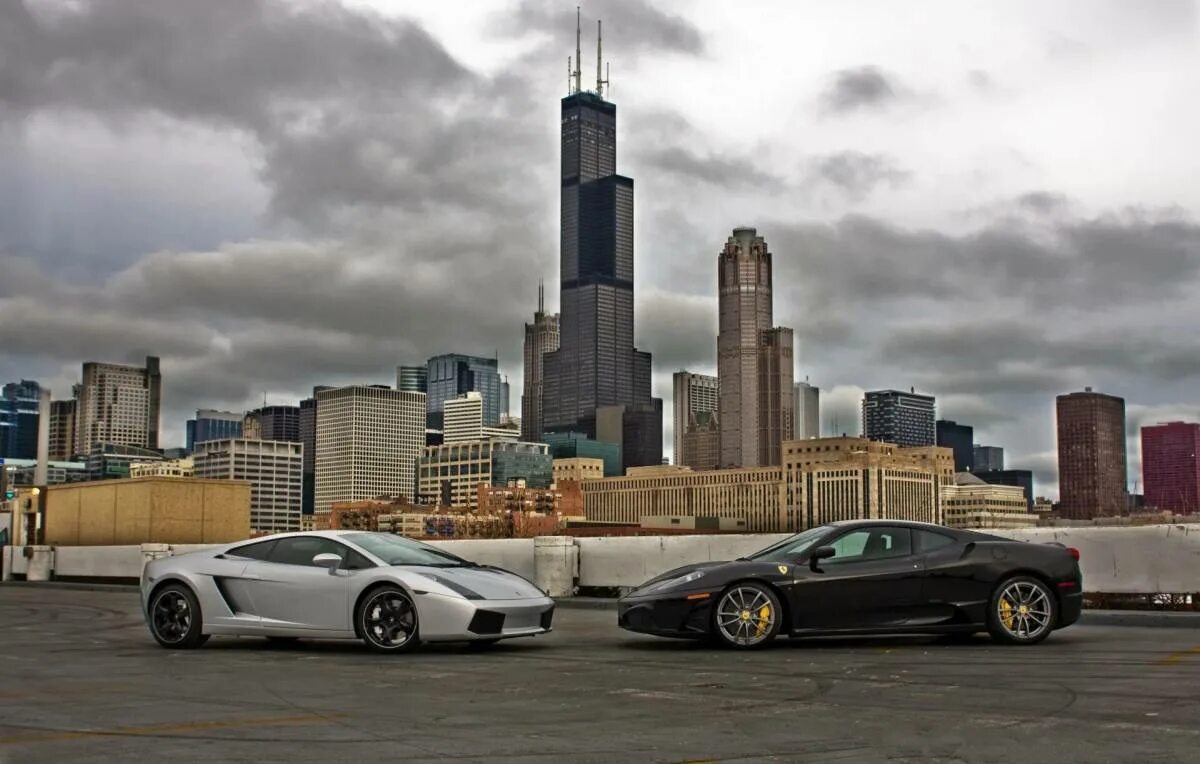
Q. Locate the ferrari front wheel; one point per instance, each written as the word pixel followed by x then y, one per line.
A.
pixel 747 615
pixel 1022 612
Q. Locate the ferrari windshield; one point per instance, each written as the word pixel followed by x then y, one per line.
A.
pixel 792 546
pixel 398 550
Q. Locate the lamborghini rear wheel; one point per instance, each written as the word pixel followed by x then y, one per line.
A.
pixel 175 619
pixel 747 616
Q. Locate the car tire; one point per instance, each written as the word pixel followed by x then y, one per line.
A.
pixel 387 620
pixel 175 619
pixel 1022 611
pixel 746 616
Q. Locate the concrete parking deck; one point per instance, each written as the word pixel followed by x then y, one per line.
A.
pixel 80 679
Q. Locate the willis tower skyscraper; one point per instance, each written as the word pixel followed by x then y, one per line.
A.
pixel 597 383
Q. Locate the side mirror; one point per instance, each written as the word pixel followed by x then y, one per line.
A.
pixel 820 553
pixel 328 560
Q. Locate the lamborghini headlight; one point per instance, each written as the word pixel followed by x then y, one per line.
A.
pixel 454 586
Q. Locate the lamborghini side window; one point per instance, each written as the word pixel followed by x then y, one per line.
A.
pixel 355 561
pixel 300 550
pixel 257 551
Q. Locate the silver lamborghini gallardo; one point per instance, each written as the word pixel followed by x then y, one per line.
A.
pixel 392 592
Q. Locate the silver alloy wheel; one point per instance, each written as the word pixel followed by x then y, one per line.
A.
pixel 1023 610
pixel 745 616
pixel 389 619
pixel 172 616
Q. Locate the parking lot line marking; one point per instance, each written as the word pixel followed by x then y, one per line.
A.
pixel 55 736
pixel 1178 656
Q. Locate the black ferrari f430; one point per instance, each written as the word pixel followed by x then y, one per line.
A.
pixel 867 577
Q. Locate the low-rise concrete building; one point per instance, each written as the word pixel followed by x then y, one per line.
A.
pixel 975 503
pixel 754 494
pixel 449 474
pixel 168 468
pixel 147 510
pixel 821 480
pixel 563 498
pixel 578 468
pixel 830 479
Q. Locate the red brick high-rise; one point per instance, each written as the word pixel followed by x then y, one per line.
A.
pixel 1091 455
pixel 1171 466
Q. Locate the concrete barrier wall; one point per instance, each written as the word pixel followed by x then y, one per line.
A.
pixel 1140 560
pixel 98 561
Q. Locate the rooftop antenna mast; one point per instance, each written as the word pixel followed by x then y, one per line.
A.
pixel 541 297
pixel 601 82
pixel 578 57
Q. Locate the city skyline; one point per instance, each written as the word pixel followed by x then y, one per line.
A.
pixel 265 278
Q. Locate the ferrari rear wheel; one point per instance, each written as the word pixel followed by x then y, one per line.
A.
pixel 387 620
pixel 1022 612
pixel 747 615
pixel 175 620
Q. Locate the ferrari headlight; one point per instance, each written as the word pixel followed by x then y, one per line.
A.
pixel 454 586
pixel 686 578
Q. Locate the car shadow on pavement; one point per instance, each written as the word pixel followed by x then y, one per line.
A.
pixel 874 642
pixel 356 647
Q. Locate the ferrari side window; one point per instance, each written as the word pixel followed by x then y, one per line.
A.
pixel 872 544
pixel 931 541
pixel 850 546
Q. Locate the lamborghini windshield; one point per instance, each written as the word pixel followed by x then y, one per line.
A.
pixel 398 550
pixel 792 546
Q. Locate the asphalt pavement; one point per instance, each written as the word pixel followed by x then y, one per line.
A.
pixel 81 680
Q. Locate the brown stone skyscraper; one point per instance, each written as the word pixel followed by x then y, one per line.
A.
pixel 1091 455
pixel 541 337
pixel 754 360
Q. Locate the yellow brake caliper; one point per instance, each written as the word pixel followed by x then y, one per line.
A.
pixel 1006 613
pixel 764 620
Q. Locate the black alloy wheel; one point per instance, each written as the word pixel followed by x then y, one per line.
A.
pixel 1022 611
pixel 387 620
pixel 747 616
pixel 175 619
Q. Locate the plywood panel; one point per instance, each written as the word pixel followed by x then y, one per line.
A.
pixel 97 515
pixel 226 512
pixel 62 517
pixel 148 510
pixel 131 506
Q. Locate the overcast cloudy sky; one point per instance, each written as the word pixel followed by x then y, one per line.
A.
pixel 991 202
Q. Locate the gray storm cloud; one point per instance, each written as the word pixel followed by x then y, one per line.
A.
pixel 405 203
